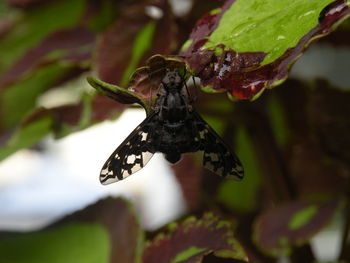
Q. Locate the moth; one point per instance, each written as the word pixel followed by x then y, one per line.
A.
pixel 173 127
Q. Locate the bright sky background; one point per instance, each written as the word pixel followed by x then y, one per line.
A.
pixel 38 187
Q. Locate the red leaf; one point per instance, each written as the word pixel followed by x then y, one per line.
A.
pixel 69 40
pixel 115 49
pixel 188 174
pixel 278 230
pixel 191 240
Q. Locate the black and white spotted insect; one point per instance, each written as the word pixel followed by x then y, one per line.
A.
pixel 172 127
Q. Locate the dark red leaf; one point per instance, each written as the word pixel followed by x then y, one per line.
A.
pixel 191 240
pixel 145 80
pixel 5 26
pixel 104 108
pixel 116 48
pixel 329 116
pixel 318 152
pixel 71 41
pixel 292 224
pixel 188 174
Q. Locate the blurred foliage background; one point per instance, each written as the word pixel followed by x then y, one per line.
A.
pixel 293 140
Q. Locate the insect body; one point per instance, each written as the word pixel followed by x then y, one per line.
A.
pixel 173 127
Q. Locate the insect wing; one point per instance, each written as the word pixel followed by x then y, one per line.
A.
pixel 217 156
pixel 132 154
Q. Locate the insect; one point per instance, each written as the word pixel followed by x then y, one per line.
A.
pixel 172 127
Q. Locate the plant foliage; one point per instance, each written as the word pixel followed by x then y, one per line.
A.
pixel 292 140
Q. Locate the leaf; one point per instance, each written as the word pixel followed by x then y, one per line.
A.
pixel 107 231
pixel 328 112
pixel 29 30
pixel 118 218
pixel 103 108
pixel 293 224
pixel 139 36
pixel 243 196
pixel 245 47
pixel 117 93
pixel 192 239
pixel 5 25
pixel 61 121
pixel 27 136
pixel 72 45
pixel 20 98
pixel 318 139
pixel 70 243
pixel 145 81
pixel 188 175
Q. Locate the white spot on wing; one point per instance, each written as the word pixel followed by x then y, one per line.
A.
pixel 131 159
pixel 144 136
pixel 104 171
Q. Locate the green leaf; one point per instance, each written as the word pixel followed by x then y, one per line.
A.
pixel 186 254
pixel 27 136
pixel 17 100
pixel 117 93
pixel 270 26
pixel 118 217
pixel 141 44
pixel 4 8
pixel 73 243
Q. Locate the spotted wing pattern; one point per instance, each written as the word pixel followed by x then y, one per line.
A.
pixel 132 155
pixel 217 156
